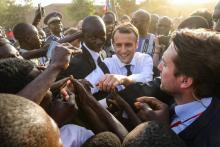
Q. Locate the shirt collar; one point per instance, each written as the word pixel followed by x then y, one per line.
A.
pixel 132 63
pixel 61 36
pixel 94 54
pixel 188 110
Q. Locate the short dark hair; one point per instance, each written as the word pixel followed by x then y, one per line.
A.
pixel 152 134
pixel 198 56
pixel 91 21
pixel 22 123
pixel 126 28
pixel 144 14
pixel 111 13
pixel 205 14
pixel 104 139
pixel 20 30
pixel 125 17
pixel 194 22
pixel 14 74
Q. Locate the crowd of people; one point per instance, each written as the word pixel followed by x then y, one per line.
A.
pixel 134 81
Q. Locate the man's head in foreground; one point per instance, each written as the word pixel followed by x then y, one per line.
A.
pixel 25 124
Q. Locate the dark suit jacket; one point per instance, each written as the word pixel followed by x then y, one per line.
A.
pixel 80 65
pixel 151 89
pixel 205 131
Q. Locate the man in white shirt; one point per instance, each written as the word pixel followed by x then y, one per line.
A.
pixel 127 66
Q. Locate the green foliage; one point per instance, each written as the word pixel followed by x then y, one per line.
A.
pixel 154 5
pixel 11 13
pixel 80 9
pixel 126 7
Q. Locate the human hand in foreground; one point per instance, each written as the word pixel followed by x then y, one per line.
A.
pixel 151 108
pixel 109 82
pixel 61 55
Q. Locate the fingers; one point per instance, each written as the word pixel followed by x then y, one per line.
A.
pixel 151 101
pixel 146 115
pixel 41 67
pixel 143 106
pixel 108 83
pixel 87 83
pixel 73 50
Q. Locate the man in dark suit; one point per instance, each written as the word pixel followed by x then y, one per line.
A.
pixel 94 37
pixel 193 80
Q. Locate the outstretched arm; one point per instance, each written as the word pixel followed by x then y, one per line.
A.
pixel 127 108
pixel 87 100
pixel 36 89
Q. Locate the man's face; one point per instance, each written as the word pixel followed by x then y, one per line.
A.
pixel 8 51
pixel 33 38
pixel 56 27
pixel 125 46
pixel 163 27
pixel 110 24
pixel 140 22
pixel 95 37
pixel 169 82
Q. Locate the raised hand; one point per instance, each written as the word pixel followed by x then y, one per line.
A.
pixel 61 55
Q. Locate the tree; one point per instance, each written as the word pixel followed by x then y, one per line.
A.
pixel 125 7
pixel 80 9
pixel 12 13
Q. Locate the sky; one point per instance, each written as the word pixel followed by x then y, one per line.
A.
pixel 47 2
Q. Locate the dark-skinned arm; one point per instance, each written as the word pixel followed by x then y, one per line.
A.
pixel 36 89
pixel 152 109
pixel 36 53
pixel 110 121
pixel 38 16
pixel 127 108
pixel 41 52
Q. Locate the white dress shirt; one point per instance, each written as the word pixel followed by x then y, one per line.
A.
pixel 141 68
pixel 74 136
pixel 95 55
pixel 189 111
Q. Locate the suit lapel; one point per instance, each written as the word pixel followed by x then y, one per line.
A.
pixel 202 122
pixel 88 57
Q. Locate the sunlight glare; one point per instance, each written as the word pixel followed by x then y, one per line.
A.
pixel 181 2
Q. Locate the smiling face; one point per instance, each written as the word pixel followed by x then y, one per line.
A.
pixel 125 46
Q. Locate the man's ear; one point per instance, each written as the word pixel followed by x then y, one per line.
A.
pixel 186 82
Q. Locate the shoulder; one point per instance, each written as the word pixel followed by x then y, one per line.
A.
pixel 111 60
pixel 142 56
